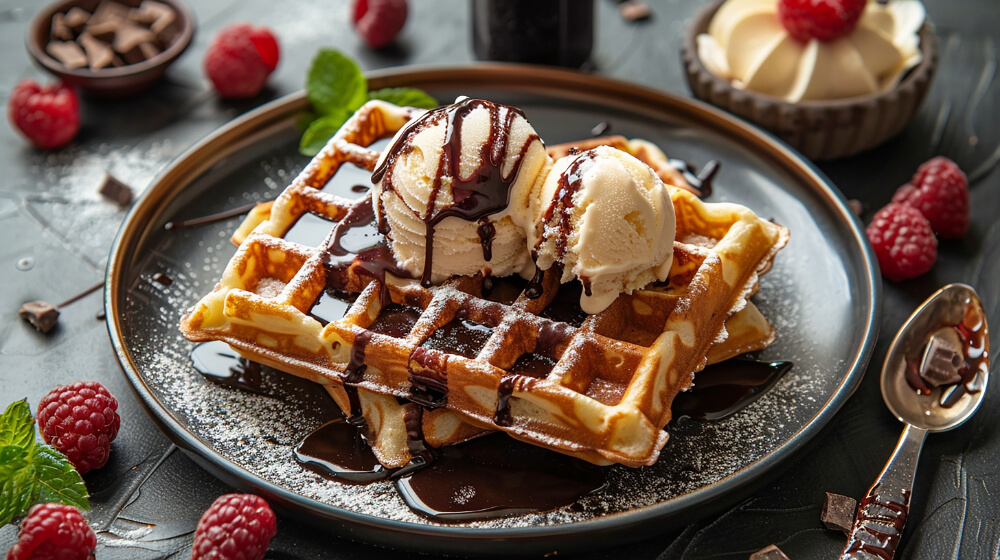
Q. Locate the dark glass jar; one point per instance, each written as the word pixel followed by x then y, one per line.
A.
pixel 554 32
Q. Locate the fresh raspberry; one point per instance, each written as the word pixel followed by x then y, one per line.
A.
pixel 234 527
pixel 80 421
pixel 825 20
pixel 49 116
pixel 903 241
pixel 54 532
pixel 940 190
pixel 240 59
pixel 379 21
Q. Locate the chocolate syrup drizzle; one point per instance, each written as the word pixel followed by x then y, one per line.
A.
pixel 878 527
pixel 702 180
pixel 726 387
pixel 484 192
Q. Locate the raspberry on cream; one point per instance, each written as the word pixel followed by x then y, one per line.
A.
pixel 747 44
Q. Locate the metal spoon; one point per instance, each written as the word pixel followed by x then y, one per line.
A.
pixel 952 316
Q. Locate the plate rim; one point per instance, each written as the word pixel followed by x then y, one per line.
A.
pixel 511 77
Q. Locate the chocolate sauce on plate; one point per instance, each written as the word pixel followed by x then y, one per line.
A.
pixel 220 364
pixel 494 476
pixel 331 305
pixel 338 450
pixel 701 181
pixel 726 387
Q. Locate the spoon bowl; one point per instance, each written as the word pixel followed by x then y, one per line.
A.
pixel 955 305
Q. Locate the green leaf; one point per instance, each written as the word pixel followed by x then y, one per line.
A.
pixel 335 83
pixel 17 493
pixel 405 97
pixel 320 131
pixel 57 480
pixel 16 426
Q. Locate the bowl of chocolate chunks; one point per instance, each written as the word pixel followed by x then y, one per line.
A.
pixel 110 48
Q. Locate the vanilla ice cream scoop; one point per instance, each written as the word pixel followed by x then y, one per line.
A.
pixel 608 219
pixel 747 44
pixel 446 189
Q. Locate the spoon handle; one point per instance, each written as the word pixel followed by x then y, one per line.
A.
pixel 881 515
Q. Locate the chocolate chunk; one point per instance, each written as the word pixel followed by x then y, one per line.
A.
pixel 769 552
pixel 76 18
pixel 838 512
pixel 634 10
pixel 129 37
pixel 60 31
pixel 108 10
pixel 148 50
pixel 855 206
pixel 99 54
pixel 41 314
pixel 149 11
pixel 69 54
pixel 115 190
pixel 163 22
pixel 104 31
pixel 943 358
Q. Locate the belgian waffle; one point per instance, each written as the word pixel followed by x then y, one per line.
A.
pixel 613 376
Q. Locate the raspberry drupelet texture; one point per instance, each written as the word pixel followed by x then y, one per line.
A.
pixel 379 21
pixel 54 532
pixel 940 190
pixel 825 20
pixel 240 59
pixel 903 240
pixel 234 527
pixel 49 116
pixel 80 420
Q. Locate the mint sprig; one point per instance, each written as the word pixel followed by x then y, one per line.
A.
pixel 32 472
pixel 336 88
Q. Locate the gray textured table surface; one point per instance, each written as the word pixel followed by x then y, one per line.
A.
pixel 56 233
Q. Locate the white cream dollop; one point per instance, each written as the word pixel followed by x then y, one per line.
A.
pixel 747 45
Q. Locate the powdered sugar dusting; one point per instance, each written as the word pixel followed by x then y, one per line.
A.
pixel 258 432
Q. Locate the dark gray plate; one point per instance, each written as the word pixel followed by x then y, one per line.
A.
pixel 822 296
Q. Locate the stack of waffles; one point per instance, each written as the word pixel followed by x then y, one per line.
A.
pixel 431 366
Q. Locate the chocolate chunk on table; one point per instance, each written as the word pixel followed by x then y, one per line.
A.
pixel 634 10
pixel 115 190
pixel 769 552
pixel 68 53
pixel 42 315
pixel 838 512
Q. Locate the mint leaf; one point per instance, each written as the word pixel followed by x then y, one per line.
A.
pixel 16 426
pixel 17 493
pixel 319 132
pixel 405 97
pixel 32 473
pixel 57 480
pixel 335 83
